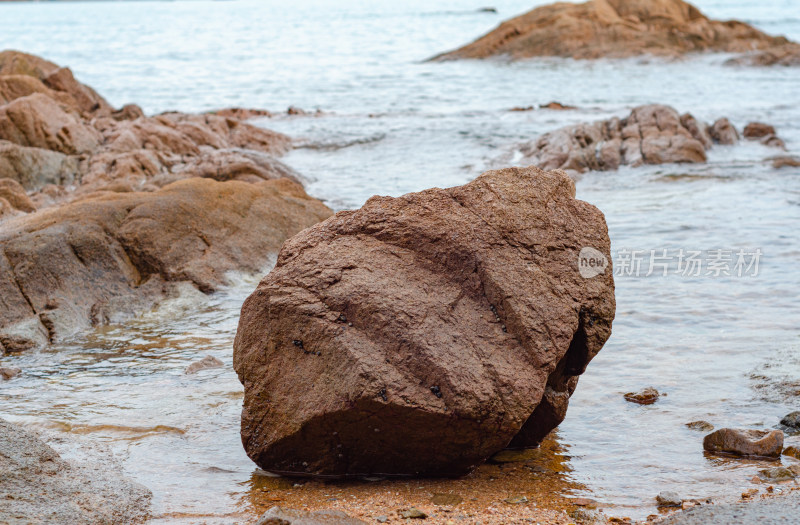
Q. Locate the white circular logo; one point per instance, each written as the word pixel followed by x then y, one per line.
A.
pixel 591 262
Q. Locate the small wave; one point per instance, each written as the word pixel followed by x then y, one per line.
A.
pixel 132 433
pixel 337 145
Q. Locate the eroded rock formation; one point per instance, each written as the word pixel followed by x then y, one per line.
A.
pixel 422 334
pixel 615 28
pixel 652 134
pixel 100 210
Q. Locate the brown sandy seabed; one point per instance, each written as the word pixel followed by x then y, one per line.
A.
pixel 490 495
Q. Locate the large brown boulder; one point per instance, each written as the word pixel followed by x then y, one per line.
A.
pixel 652 134
pixel 614 28
pixel 107 256
pixel 422 334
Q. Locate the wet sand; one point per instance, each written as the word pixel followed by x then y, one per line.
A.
pixel 531 486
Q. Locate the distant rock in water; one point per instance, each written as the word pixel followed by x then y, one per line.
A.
pixel 615 28
pixel 787 54
pixel 422 334
pixel 745 442
pixel 38 486
pixel 207 362
pixel 102 209
pixel 652 134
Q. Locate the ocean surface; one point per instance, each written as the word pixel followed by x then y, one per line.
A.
pixel 724 348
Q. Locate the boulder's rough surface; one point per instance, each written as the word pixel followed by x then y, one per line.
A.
pixel 107 256
pixel 615 28
pixel 652 134
pixel 745 442
pixel 422 334
pixel 281 516
pixel 39 487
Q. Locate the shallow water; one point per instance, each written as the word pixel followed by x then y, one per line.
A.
pixel 724 349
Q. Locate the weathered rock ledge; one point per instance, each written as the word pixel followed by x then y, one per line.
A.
pixel 100 210
pixel 419 335
pixel 615 29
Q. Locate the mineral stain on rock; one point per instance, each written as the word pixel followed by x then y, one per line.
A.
pixel 428 276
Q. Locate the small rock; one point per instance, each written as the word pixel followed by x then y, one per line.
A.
pixel 9 373
pixel 487 10
pixel 791 420
pixel 516 500
pixel 785 162
pixel 703 426
pixel 745 442
pixel 207 362
pixel 793 452
pixel 413 513
pixel 668 499
pixel 585 502
pixel 648 396
pixel 757 130
pixel 448 500
pixel 556 105
pixel 381 519
pixel 749 493
pixel 723 132
pixel 776 474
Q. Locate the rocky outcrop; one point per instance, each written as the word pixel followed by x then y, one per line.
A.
pixel 652 134
pixel 108 256
pixel 615 28
pixel 745 442
pixel 38 486
pixel 56 131
pixel 60 80
pixel 419 335
pixel 103 210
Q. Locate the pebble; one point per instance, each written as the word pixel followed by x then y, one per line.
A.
pixel 381 519
pixel 515 500
pixel 668 499
pixel 793 452
pixel 776 474
pixel 585 502
pixel 413 513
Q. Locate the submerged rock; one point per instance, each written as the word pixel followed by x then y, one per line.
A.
pixel 776 474
pixel 38 486
pixel 108 256
pixel 207 362
pixel 428 331
pixel 782 54
pixel 792 420
pixel 281 516
pixel 648 396
pixel 652 134
pixel 792 452
pixel 668 499
pixel 615 28
pixel 703 426
pixel 745 442
pixel 786 162
pixel 7 372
